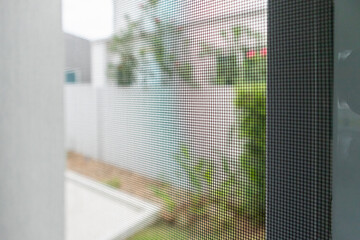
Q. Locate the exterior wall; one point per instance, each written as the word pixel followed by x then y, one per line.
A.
pixel 81 119
pixel 78 56
pixel 31 123
pixel 99 61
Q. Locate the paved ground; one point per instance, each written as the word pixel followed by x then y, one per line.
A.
pixel 95 212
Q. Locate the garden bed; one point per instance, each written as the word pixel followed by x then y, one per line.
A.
pixel 122 179
pixel 178 222
pixel 161 230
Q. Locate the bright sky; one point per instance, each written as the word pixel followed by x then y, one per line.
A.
pixel 91 19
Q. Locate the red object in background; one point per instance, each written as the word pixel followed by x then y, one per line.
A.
pixel 250 54
pixel 263 52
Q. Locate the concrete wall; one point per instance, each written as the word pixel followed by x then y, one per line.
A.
pixel 31 120
pixel 78 56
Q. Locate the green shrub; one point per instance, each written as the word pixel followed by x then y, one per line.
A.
pixel 254 68
pixel 251 101
pixel 125 71
pixel 227 69
pixel 206 199
pixel 228 196
pixel 122 45
pixel 185 71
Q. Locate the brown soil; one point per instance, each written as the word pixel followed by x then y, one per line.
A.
pixel 130 182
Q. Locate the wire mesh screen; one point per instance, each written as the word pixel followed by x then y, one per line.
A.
pixel 178 120
pixel 299 116
pixel 174 122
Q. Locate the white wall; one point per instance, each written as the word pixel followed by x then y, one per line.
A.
pixel 78 56
pixel 141 129
pixel 99 62
pixel 133 128
pixel 31 120
pixel 81 119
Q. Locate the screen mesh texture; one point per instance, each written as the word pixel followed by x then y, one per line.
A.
pixel 176 116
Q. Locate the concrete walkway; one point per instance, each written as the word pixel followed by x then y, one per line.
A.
pixel 98 212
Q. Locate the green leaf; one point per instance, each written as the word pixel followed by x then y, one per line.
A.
pixel 225 165
pixel 209 174
pixel 237 31
pixel 181 162
pixel 185 152
pixel 199 166
pixel 163 195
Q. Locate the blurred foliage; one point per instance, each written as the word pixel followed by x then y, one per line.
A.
pixel 229 67
pixel 241 190
pixel 159 42
pixel 123 46
pixel 185 71
pixel 227 70
pixel 207 200
pixel 251 101
pixel 147 39
pixel 254 68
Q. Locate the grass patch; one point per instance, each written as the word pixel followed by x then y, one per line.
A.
pixel 115 183
pixel 161 230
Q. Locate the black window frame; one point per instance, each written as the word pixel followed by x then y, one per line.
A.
pixel 299 124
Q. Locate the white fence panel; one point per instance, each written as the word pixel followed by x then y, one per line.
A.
pixel 81 119
pixel 139 129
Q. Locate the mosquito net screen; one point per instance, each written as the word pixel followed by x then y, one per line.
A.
pixel 166 121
